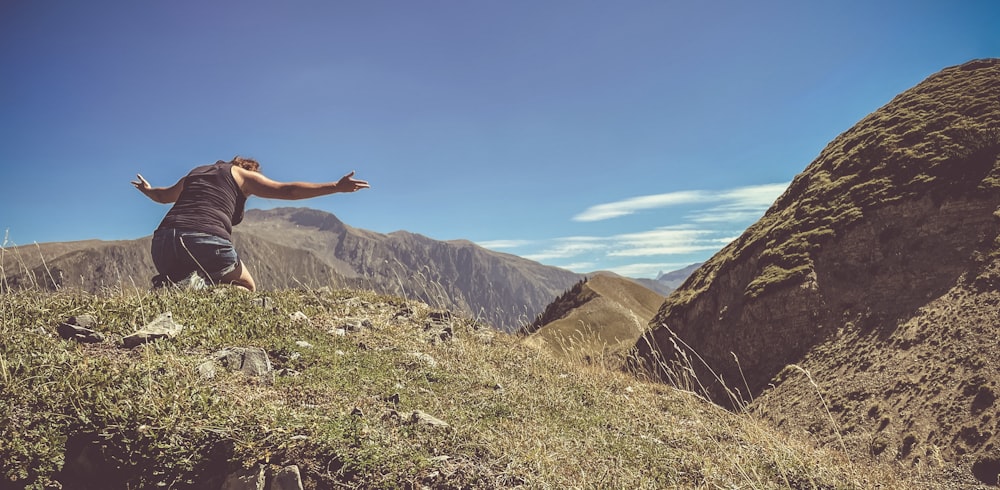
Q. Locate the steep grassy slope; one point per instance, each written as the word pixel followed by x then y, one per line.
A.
pixel 876 273
pixel 101 416
pixel 597 319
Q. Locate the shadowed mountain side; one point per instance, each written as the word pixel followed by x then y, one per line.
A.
pixel 602 315
pixel 300 247
pixel 86 264
pixel 877 273
pixel 503 289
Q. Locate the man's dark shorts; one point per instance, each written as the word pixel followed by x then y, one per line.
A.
pixel 177 253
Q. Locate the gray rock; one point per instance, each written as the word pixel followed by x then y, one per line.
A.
pixel 69 331
pixel 246 479
pixel 303 344
pixel 287 478
pixel 421 418
pixel 162 326
pixel 298 316
pixel 207 369
pixel 86 320
pixel 425 358
pixel 354 325
pixel 250 360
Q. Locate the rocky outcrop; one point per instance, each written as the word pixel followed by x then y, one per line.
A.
pixel 848 276
pixel 161 327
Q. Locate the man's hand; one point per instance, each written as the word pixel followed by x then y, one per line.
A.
pixel 141 184
pixel 163 195
pixel 348 183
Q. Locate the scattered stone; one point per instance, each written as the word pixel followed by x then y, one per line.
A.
pixel 287 478
pixel 85 335
pixel 245 479
pixel 85 320
pixel 420 418
pixel 340 352
pixel 299 437
pixel 425 358
pixel 252 361
pixel 303 344
pixel 206 370
pixel 260 302
pixel 288 372
pixel 340 332
pixel 404 311
pixel 356 326
pixel 356 411
pixel 298 316
pixel 287 357
pixel 161 326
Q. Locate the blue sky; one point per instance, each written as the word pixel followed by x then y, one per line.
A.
pixel 633 136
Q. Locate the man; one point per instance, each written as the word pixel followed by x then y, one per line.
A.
pixel 194 237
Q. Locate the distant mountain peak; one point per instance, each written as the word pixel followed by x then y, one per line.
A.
pixel 314 218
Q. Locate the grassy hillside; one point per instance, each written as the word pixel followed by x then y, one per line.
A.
pixel 877 272
pixel 596 320
pixel 340 408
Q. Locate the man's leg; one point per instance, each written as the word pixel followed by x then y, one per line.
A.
pixel 240 277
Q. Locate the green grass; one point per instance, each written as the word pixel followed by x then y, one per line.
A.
pixel 518 416
pixel 939 140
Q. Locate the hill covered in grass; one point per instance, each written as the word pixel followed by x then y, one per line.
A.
pixel 596 320
pixel 364 391
pixel 878 272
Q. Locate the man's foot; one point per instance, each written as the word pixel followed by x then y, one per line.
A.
pixel 194 281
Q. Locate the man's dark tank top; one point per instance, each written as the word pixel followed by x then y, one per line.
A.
pixel 211 202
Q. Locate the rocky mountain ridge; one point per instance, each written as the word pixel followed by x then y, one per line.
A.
pixel 301 247
pixel 873 276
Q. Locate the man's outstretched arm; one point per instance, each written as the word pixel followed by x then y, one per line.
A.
pixel 163 195
pixel 255 183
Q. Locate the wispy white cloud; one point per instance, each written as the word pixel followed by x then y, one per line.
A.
pixel 633 204
pixel 580 267
pixel 568 247
pixel 504 244
pixel 706 229
pixel 757 197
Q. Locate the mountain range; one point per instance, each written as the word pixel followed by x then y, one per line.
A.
pixel 302 247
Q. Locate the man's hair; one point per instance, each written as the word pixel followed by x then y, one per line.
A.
pixel 246 163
